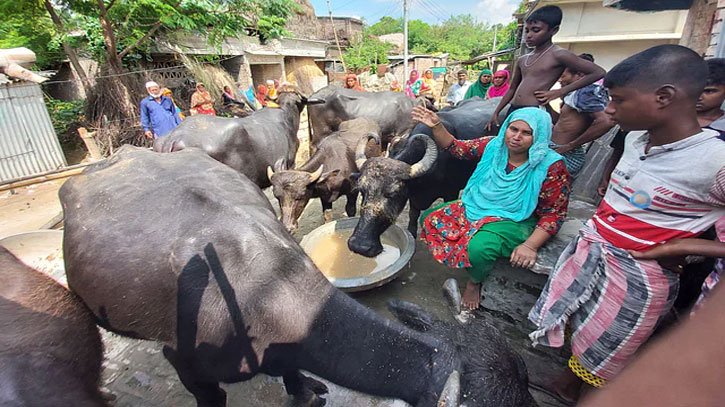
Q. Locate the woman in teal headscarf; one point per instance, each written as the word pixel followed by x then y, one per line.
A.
pixel 480 88
pixel 513 203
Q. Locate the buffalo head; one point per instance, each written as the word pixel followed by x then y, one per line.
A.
pixel 383 183
pixel 290 95
pixel 293 190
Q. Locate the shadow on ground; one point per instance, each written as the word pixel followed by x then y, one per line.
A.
pixel 137 374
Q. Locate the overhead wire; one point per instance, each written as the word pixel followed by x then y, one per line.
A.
pixel 425 6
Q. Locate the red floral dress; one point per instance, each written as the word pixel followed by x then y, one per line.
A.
pixel 447 231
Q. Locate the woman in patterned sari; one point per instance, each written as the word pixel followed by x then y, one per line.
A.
pixel 513 203
pixel 201 101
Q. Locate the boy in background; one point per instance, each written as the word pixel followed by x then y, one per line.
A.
pixel 535 73
pixel 581 121
pixel 709 105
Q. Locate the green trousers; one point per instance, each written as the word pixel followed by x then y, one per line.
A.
pixel 491 242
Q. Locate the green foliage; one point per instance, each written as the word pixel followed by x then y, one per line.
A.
pixel 386 25
pixel 27 24
pixel 366 52
pixel 63 115
pixel 462 36
pixel 215 20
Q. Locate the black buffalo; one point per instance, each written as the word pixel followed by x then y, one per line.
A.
pixel 390 110
pixel 249 144
pixel 183 250
pixel 50 348
pixel 386 185
pixel 501 375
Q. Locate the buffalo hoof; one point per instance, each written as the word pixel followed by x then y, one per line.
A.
pixel 310 394
pixel 327 214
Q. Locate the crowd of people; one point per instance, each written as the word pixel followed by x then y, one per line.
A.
pixel 160 114
pixel 663 187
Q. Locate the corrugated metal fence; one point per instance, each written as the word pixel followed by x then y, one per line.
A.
pixel 28 144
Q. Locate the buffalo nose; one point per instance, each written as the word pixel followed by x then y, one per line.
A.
pixel 291 228
pixel 365 247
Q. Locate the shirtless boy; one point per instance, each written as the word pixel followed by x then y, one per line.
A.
pixel 582 119
pixel 536 72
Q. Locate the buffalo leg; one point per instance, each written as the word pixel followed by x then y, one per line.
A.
pixel 413 215
pixel 351 205
pixel 326 210
pixel 305 390
pixel 207 394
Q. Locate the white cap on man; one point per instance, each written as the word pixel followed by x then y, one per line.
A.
pixel 150 84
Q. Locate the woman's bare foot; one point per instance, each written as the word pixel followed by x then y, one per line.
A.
pixel 471 296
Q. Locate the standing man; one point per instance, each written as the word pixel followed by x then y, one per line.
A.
pixel 459 89
pixel 582 119
pixel 158 113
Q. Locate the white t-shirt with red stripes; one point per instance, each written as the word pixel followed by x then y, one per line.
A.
pixel 673 191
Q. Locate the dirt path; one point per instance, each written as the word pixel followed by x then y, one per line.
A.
pixel 29 208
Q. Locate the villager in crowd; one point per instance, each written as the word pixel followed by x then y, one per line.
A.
pixel 352 83
pixel 709 105
pixel 480 87
pixel 459 89
pixel 201 101
pixel 262 95
pixel 158 113
pixel 228 97
pixel 582 119
pixel 609 297
pixel 513 203
pixel 413 85
pixel 535 73
pixel 428 84
pixel 500 84
pixel 167 92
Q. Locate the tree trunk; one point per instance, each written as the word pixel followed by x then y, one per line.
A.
pixel 69 51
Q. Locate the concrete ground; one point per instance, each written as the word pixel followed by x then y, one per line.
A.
pixel 136 374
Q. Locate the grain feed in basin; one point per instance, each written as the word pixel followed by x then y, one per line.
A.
pixel 332 256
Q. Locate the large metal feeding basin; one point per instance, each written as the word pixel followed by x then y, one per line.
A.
pixel 41 250
pixel 395 234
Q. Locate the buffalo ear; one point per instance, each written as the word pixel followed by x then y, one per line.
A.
pixel 327 175
pixel 411 315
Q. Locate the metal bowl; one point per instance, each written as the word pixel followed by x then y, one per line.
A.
pixel 397 235
pixel 41 250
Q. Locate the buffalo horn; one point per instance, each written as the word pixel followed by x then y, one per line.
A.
pixel 362 144
pixel 426 163
pixel 270 173
pixel 450 397
pixel 314 176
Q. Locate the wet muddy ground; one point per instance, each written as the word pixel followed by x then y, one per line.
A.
pixel 137 374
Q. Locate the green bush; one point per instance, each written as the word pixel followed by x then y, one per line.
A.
pixel 64 115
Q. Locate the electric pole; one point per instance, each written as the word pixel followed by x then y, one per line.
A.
pixel 405 42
